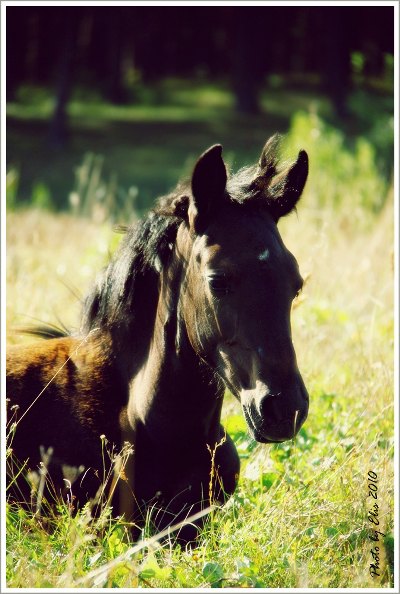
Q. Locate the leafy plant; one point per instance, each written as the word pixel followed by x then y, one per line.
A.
pixel 340 176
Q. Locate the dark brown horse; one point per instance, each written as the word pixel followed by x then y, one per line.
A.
pixel 197 298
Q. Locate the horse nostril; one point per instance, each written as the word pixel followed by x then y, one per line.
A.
pixel 270 407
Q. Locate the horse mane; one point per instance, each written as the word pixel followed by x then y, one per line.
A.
pixel 143 252
pixel 147 247
pixel 44 330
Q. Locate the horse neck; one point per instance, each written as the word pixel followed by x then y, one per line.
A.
pixel 131 329
pixel 174 394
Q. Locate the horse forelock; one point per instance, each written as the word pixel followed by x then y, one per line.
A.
pixel 255 185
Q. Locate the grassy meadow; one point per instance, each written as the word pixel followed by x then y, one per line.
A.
pixel 299 518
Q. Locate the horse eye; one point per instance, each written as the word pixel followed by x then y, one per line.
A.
pixel 299 290
pixel 218 283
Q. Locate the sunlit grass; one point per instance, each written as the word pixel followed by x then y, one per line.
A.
pixel 51 261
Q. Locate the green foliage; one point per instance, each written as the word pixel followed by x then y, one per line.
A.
pixel 357 62
pixel 133 153
pixel 340 177
pixel 41 197
pixel 213 574
pixel 12 179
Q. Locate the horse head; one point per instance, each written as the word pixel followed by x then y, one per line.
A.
pixel 239 284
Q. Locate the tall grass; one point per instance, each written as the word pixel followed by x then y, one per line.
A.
pixel 300 515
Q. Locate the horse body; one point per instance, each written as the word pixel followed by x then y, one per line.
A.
pixel 87 398
pixel 197 299
pixel 64 389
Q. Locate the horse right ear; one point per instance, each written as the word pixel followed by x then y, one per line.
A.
pixel 208 187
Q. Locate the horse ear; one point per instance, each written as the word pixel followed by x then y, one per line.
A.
pixel 268 158
pixel 208 186
pixel 287 187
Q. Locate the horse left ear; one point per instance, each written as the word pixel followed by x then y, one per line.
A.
pixel 208 187
pixel 288 186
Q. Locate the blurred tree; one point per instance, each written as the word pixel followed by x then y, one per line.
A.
pixel 335 26
pixel 239 44
pixel 114 42
pixel 15 50
pixel 247 61
pixel 375 37
pixel 58 131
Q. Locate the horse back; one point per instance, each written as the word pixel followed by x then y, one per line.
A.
pixel 37 364
pixel 63 392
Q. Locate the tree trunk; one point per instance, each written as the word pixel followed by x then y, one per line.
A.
pixel 58 132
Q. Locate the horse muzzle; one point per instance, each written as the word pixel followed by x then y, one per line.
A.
pixel 273 417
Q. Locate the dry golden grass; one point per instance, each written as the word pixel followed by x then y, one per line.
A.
pixel 51 261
